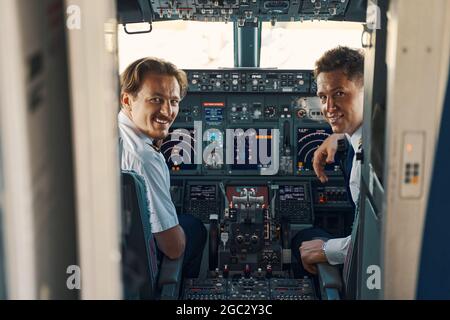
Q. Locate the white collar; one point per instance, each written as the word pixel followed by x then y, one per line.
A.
pixel 355 139
pixel 123 119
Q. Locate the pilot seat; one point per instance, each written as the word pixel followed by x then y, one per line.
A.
pixel 144 277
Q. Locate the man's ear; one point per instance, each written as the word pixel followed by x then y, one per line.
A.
pixel 126 101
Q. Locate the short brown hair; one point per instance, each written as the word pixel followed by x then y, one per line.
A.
pixel 134 75
pixel 350 61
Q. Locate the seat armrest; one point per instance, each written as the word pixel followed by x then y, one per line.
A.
pixel 329 276
pixel 169 280
pixel 330 280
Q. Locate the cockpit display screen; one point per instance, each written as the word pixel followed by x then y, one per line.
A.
pixel 203 192
pixel 252 149
pixel 292 193
pixel 308 140
pixel 179 149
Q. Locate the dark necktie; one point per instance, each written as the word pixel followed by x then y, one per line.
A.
pixel 155 146
pixel 348 170
pixel 349 161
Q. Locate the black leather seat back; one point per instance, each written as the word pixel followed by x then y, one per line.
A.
pixel 139 255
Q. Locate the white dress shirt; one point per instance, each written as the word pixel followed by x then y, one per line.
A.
pixel 138 155
pixel 336 249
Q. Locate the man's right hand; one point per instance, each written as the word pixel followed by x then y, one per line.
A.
pixel 325 155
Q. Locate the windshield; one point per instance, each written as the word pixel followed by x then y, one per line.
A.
pixel 196 45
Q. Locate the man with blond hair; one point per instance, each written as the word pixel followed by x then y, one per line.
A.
pixel 151 91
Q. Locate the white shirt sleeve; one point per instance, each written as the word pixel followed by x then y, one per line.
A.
pixel 163 214
pixel 336 250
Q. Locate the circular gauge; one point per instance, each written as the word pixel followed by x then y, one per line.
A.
pixel 301 113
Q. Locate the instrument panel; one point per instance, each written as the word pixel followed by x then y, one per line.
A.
pixel 241 161
pixel 241 11
pixel 242 288
pixel 257 80
pixel 246 132
pixel 221 139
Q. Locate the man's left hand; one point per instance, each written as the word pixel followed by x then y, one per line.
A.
pixel 311 253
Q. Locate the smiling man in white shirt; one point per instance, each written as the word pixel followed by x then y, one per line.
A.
pixel 340 87
pixel 150 95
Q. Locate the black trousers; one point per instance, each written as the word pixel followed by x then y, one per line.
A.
pixel 195 233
